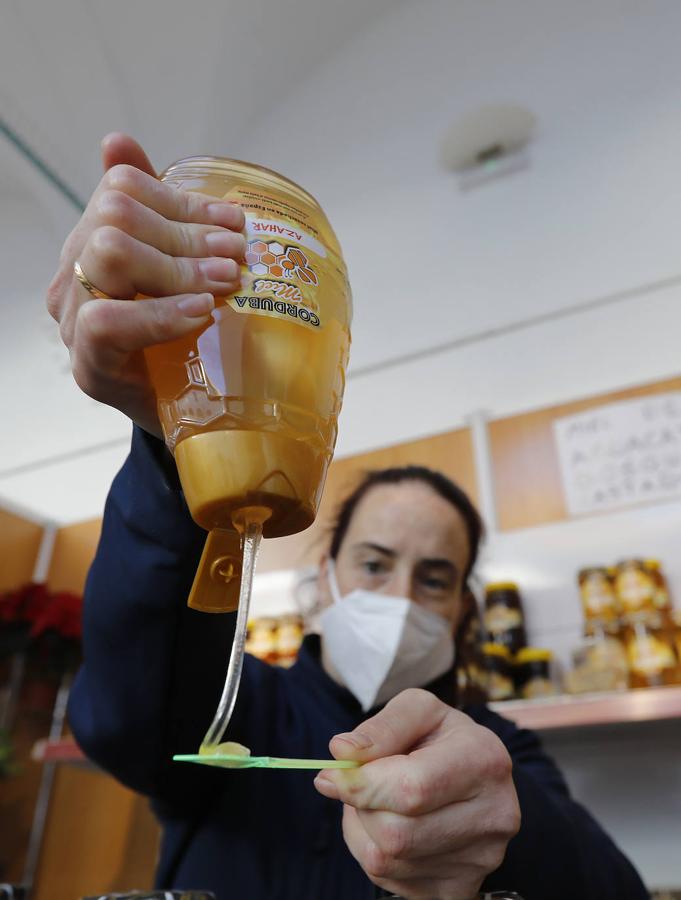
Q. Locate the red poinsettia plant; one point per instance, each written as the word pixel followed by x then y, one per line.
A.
pixel 44 625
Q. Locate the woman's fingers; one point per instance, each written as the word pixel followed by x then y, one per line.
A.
pixel 108 337
pixel 113 328
pixel 118 148
pixel 168 201
pixel 122 266
pixel 453 876
pixel 139 235
pixel 126 213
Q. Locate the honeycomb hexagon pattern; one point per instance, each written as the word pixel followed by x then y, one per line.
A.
pixel 273 259
pixel 199 405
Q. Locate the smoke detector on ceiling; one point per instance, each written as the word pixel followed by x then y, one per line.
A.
pixel 489 143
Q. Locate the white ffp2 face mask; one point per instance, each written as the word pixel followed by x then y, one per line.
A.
pixel 380 645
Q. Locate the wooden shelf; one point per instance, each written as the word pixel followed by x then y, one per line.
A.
pixel 567 711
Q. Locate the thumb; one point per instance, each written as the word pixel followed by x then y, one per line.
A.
pixel 110 328
pixel 120 149
pixel 398 728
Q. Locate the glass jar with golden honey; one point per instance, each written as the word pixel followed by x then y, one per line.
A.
pixel 651 655
pixel 249 403
pixel 498 671
pixel 503 618
pixel 597 592
pixel 533 676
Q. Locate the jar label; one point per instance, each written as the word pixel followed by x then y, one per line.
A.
pixel 500 618
pixel 598 596
pixel 287 262
pixel 264 229
pixel 634 589
pixel 649 655
pixel 283 275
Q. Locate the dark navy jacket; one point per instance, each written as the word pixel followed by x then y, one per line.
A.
pixel 149 686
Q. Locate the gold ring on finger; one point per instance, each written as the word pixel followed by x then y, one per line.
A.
pixel 93 291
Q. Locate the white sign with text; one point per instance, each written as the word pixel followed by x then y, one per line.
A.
pixel 621 454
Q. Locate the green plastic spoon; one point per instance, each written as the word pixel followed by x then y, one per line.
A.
pixel 228 761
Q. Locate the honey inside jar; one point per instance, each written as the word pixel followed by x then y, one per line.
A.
pixel 249 404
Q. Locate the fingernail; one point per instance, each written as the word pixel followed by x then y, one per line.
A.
pixel 357 739
pixel 226 214
pixel 196 305
pixel 219 269
pixel 326 786
pixel 223 243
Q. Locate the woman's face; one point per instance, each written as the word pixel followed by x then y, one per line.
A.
pixel 404 540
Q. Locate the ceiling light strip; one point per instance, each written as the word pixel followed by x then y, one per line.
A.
pixel 63 457
pixel 39 164
pixel 565 312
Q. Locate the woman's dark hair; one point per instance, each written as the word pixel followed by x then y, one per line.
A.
pixel 435 480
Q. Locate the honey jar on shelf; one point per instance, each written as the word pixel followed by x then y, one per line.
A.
pixel 651 656
pixel 499 671
pixel 600 663
pixel 533 673
pixel 634 587
pixel 261 640
pixel 289 639
pixel 503 617
pixel 597 592
pixel 676 631
pixel 662 601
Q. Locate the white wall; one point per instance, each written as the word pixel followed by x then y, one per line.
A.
pixel 586 353
pixel 597 214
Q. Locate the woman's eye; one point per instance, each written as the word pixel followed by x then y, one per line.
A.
pixel 372 566
pixel 436 585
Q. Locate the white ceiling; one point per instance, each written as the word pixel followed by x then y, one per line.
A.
pixel 351 99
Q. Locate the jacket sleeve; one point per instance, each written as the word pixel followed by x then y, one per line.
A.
pixel 154 669
pixel 560 851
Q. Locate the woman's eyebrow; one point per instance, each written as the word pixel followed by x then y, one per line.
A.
pixel 434 563
pixel 378 548
pixel 440 564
